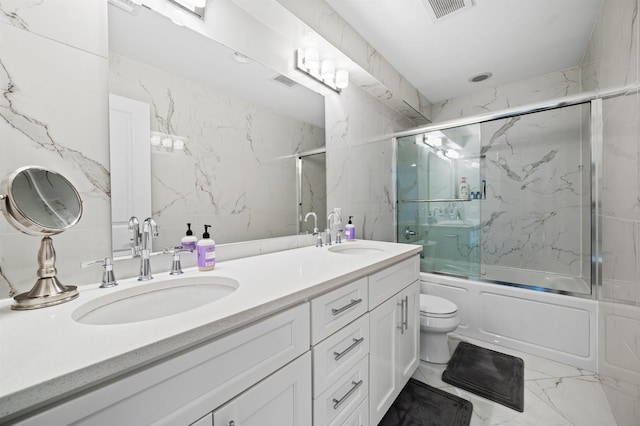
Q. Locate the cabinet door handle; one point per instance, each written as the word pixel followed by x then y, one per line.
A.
pixel 353 303
pixel 338 402
pixel 402 315
pixel 406 313
pixel 231 423
pixel 356 342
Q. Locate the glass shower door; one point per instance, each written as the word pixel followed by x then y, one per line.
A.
pixel 440 187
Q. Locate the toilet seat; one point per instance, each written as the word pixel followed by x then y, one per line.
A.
pixel 436 307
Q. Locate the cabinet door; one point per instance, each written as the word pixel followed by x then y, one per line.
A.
pixel 282 399
pixel 409 341
pixel 384 331
pixel 394 348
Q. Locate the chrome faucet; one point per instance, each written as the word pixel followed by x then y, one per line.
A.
pixel 149 231
pixel 316 231
pixel 330 227
pixel 136 237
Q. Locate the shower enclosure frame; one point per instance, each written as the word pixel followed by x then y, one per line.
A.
pixel 299 164
pixel 596 158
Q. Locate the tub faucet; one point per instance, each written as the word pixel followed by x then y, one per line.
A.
pixel 149 231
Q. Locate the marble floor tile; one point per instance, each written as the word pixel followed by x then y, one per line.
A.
pixel 555 394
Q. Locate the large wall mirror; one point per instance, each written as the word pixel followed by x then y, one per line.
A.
pixel 202 135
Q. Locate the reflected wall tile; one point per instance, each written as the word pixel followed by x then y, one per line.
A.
pixel 240 156
pixel 80 24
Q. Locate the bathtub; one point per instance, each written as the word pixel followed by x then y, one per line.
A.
pixel 554 326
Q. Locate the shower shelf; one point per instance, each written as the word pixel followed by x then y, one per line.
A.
pixel 438 200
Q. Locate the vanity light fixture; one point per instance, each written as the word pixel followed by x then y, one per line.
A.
pixel 308 61
pixel 164 142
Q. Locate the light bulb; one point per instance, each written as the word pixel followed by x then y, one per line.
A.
pixel 342 79
pixel 312 60
pixel 328 71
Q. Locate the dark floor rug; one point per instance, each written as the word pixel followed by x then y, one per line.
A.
pixel 422 405
pixel 493 375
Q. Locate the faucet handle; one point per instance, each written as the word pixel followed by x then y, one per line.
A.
pixel 339 236
pixel 108 277
pixel 176 264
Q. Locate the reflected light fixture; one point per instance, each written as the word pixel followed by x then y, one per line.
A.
pixel 308 61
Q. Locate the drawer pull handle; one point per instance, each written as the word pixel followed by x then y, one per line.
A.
pixel 353 303
pixel 338 402
pixel 356 342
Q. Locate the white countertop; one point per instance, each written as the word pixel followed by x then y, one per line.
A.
pixel 45 355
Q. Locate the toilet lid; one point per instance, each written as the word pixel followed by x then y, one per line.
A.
pixel 436 306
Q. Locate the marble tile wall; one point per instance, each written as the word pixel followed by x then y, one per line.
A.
pixel 53 75
pixel 612 61
pixel 536 216
pixel 524 92
pixel 529 161
pixel 359 161
pixel 237 172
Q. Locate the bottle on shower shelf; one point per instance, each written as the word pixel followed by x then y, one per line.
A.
pixel 464 189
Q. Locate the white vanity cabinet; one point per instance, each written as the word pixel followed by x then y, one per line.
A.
pixel 340 339
pixel 338 358
pixel 365 338
pixel 395 333
pixel 182 389
pixel 282 399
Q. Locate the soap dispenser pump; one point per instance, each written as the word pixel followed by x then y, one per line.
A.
pixel 206 249
pixel 189 241
pixel 350 231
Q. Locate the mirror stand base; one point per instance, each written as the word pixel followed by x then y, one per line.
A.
pixel 40 297
pixel 47 291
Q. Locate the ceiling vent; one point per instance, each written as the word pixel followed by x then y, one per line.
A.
pixel 284 80
pixel 440 9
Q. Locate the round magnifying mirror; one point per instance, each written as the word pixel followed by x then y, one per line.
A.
pixel 40 202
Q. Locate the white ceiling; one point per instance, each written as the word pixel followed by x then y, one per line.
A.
pixel 513 39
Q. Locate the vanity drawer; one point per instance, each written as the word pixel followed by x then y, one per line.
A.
pixel 340 400
pixel 360 417
pixel 389 281
pixel 339 352
pixel 332 311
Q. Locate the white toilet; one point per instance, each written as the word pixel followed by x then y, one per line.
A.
pixel 438 317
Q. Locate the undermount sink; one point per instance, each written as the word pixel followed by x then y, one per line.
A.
pixel 156 299
pixel 355 248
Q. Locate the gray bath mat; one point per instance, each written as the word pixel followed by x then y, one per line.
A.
pixel 422 405
pixel 490 374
